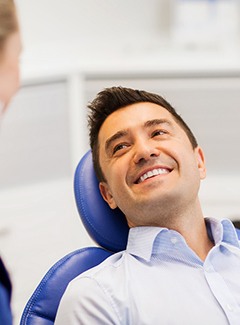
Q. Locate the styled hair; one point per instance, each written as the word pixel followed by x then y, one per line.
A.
pixel 8 21
pixel 110 100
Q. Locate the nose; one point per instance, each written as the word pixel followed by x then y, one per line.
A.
pixel 144 151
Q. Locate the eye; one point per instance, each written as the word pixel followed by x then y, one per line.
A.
pixel 158 132
pixel 119 146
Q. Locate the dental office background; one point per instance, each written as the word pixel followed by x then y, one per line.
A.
pixel 185 50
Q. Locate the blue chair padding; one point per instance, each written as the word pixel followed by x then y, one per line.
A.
pixel 107 227
pixel 42 307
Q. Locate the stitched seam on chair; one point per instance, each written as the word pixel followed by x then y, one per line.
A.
pixel 49 274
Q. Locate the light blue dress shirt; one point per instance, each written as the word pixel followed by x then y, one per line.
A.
pixel 160 280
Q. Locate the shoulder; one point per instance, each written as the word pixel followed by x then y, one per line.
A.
pixel 89 296
pixel 113 263
pixel 98 281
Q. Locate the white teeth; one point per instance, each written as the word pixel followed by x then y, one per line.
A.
pixel 154 172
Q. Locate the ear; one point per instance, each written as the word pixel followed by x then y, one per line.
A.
pixel 107 195
pixel 201 162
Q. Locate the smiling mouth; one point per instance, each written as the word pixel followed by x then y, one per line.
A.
pixel 153 173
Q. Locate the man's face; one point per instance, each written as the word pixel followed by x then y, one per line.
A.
pixel 149 164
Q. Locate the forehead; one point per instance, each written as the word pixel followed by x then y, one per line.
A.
pixel 133 116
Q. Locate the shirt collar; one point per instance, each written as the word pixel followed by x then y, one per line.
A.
pixel 222 231
pixel 141 239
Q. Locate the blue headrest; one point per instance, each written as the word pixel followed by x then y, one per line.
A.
pixel 107 227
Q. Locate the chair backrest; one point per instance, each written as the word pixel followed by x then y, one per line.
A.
pixel 107 227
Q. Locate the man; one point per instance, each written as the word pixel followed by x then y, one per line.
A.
pixel 178 267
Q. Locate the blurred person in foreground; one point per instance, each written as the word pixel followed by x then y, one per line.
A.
pixel 179 267
pixel 10 49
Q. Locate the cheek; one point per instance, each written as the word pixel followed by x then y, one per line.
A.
pixel 115 177
pixel 192 169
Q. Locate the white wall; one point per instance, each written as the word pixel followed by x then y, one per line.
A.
pixel 93 24
pixel 126 25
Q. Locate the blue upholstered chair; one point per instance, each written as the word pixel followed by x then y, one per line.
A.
pixel 107 227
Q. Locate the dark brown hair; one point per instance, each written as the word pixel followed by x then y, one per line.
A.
pixel 8 21
pixel 111 99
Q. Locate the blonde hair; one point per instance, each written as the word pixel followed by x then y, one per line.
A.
pixel 8 21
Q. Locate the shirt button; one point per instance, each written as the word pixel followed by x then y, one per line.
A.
pixel 174 240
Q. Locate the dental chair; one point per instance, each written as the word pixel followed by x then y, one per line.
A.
pixel 107 227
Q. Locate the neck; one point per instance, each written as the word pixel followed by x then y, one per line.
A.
pixel 191 225
pixel 196 237
pixel 189 222
pixel 193 228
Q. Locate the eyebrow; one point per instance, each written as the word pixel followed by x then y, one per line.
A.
pixel 157 122
pixel 114 137
pixel 120 134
